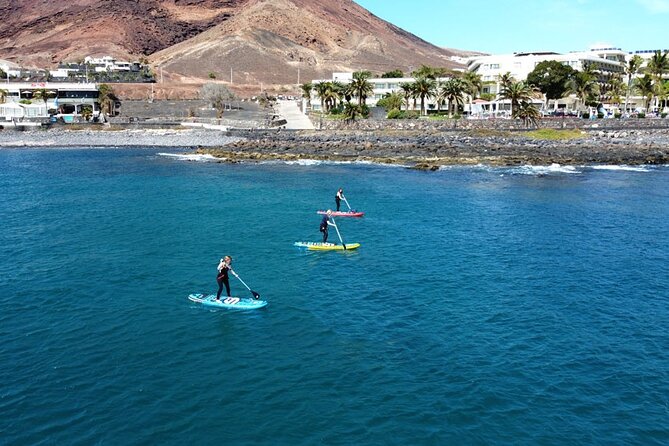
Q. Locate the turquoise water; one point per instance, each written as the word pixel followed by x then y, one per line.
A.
pixel 485 306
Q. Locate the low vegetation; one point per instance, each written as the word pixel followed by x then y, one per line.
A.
pixel 401 114
pixel 489 133
pixel 556 135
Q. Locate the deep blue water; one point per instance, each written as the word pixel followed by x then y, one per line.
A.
pixel 485 306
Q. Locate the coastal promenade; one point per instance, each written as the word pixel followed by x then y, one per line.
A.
pixel 289 111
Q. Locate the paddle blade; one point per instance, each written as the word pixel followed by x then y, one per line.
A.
pixel 255 295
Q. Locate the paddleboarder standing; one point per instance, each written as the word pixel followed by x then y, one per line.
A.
pixel 325 222
pixel 222 277
pixel 339 197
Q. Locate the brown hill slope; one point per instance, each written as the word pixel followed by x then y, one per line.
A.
pixel 268 40
pixel 259 40
pixel 44 32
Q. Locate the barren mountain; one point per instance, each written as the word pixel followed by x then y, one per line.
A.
pixel 255 41
pixel 269 40
pixel 44 32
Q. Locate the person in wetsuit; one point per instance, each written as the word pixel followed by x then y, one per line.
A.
pixel 222 277
pixel 325 222
pixel 339 197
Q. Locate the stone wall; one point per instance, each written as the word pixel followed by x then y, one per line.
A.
pixel 489 124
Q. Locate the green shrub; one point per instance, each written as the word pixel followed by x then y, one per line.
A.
pixel 641 115
pixel 555 135
pixel 585 115
pixel 394 114
pixel 397 114
pixel 618 115
pixel 600 115
pixel 663 115
pixel 25 101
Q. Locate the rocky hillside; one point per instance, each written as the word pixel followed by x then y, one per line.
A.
pixel 260 41
pixel 44 32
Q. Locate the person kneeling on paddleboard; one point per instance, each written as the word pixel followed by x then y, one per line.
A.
pixel 222 277
pixel 324 225
pixel 339 197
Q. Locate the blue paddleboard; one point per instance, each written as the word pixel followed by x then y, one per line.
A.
pixel 233 303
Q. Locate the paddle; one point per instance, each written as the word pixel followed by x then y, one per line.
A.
pixel 340 239
pixel 346 201
pixel 255 294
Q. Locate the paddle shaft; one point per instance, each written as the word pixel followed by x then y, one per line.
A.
pixel 337 229
pixel 346 201
pixel 255 294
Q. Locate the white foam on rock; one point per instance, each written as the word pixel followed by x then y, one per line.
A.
pixel 190 157
pixel 545 170
pixel 623 167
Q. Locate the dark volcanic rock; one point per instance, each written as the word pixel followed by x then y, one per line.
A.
pixel 429 152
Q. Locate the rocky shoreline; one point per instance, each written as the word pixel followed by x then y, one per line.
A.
pixel 420 149
pixel 430 150
pixel 179 137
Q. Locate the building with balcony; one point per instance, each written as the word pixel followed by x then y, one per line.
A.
pixel 64 100
pixel 604 60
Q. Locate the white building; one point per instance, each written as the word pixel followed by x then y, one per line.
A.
pixel 646 55
pixel 63 72
pixel 384 86
pixel 606 61
pixel 381 86
pixel 66 100
pixel 520 65
pixel 108 63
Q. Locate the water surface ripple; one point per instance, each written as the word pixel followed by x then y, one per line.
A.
pixel 485 306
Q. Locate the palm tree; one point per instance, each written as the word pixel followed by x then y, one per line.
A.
pixel 505 80
pixel 584 85
pixel 452 91
pixel 321 88
pixel 517 92
pixel 352 111
pixel 361 87
pixel 663 92
pixel 414 94
pixel 425 88
pixel 306 88
pixel 658 65
pixel 346 92
pixel 341 91
pixel 632 68
pixel 331 95
pixel 473 84
pixel 424 71
pixel 44 95
pixel 528 113
pixel 615 88
pixel 107 99
pixel 87 112
pixel 646 88
pixel 3 95
pixel 407 91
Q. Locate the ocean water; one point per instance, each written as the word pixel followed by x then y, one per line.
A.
pixel 486 306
